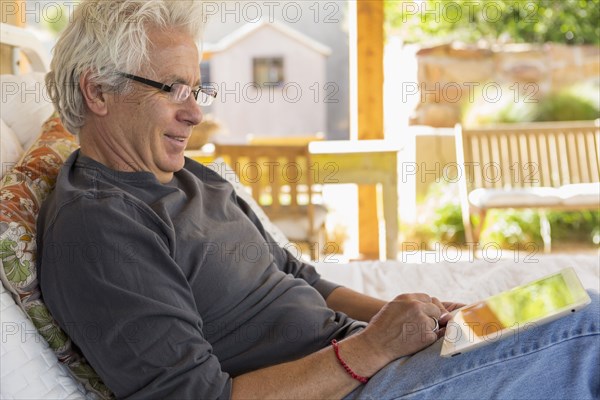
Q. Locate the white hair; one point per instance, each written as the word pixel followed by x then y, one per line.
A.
pixel 105 37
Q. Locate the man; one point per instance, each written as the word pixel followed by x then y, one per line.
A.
pixel 126 246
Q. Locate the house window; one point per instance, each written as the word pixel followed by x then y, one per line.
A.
pixel 205 72
pixel 268 71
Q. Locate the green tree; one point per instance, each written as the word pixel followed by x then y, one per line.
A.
pixel 56 18
pixel 517 21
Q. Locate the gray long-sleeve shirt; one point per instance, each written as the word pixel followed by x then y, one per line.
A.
pixel 171 289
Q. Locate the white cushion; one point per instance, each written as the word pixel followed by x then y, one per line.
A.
pixel 522 197
pixel 220 166
pixel 11 149
pixel 580 194
pixel 25 105
pixel 29 368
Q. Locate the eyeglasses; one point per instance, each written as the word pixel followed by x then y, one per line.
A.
pixel 178 92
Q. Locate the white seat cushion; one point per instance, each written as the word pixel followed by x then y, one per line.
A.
pixel 522 197
pixel 580 194
pixel 29 368
pixel 25 105
pixel 11 149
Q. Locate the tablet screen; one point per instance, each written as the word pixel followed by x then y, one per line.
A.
pixel 519 306
pixel 504 314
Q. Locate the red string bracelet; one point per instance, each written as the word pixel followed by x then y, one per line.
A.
pixel 336 349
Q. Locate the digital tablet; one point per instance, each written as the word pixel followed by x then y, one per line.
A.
pixel 506 314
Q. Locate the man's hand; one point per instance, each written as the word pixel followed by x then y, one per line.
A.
pixel 398 328
pixel 446 307
pixel 404 326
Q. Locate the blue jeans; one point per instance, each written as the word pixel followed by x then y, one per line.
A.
pixel 559 360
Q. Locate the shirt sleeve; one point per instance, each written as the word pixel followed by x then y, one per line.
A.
pixel 286 260
pixel 108 277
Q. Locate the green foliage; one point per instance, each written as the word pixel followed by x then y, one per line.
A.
pixel 56 18
pixel 575 225
pixel 512 229
pixel 510 107
pixel 447 226
pixel 568 105
pixel 441 218
pixel 519 21
pixel 440 221
pixel 580 102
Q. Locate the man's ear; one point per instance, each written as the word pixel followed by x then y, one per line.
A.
pixel 94 98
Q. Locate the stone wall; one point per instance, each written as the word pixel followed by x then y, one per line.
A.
pixel 450 74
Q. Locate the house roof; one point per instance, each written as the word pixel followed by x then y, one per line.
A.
pixel 250 28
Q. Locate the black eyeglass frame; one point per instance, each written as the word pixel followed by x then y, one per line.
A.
pixel 167 88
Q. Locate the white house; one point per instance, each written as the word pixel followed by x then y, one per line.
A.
pixel 271 81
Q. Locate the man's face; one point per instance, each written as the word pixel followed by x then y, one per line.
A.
pixel 145 128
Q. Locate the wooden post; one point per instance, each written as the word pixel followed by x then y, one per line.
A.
pixel 369 21
pixel 11 12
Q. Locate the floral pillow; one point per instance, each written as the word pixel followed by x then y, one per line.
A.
pixel 22 191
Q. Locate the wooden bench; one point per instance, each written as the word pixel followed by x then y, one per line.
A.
pixel 544 165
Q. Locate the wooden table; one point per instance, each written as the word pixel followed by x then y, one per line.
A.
pixel 363 162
